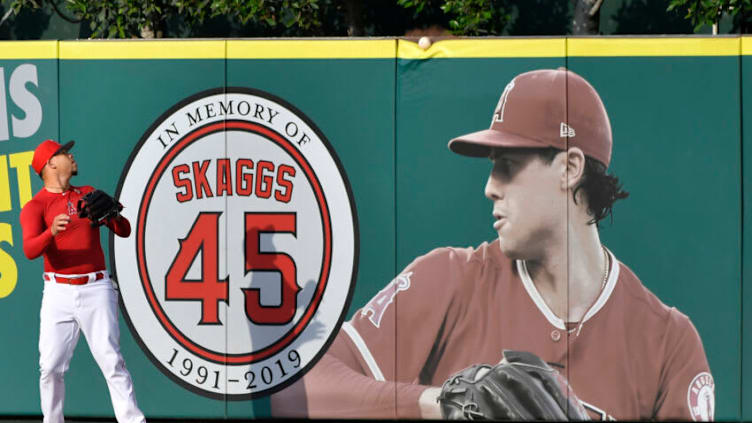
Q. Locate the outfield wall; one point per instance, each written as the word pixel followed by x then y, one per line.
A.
pixel 388 109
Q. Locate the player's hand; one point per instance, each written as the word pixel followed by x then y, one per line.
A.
pixel 429 406
pixel 59 223
pixel 98 207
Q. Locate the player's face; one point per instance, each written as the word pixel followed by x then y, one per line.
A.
pixel 529 204
pixel 65 163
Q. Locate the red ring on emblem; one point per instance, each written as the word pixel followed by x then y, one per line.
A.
pixel 237 359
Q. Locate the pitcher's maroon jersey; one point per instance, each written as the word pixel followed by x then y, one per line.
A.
pixel 632 357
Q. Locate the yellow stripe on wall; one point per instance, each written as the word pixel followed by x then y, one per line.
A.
pixel 665 46
pixel 746 48
pixel 377 48
pixel 484 47
pixel 142 49
pixel 311 49
pixel 28 50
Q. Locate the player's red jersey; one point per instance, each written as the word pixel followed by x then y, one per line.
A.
pixel 76 250
pixel 632 357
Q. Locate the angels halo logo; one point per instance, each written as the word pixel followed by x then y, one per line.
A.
pixel 244 251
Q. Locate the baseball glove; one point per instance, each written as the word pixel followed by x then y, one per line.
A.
pixel 98 207
pixel 520 387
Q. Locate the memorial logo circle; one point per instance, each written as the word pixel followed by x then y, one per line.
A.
pixel 244 252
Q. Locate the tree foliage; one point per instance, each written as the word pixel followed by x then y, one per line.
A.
pixel 709 12
pixel 300 18
pixel 467 17
pixel 304 14
pixel 147 18
pixel 587 17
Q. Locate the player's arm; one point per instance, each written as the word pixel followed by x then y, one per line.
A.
pixel 339 387
pixel 100 208
pixel 379 369
pixel 428 402
pixel 36 235
pixel 119 225
pixel 687 390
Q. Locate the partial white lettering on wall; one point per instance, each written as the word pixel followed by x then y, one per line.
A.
pixel 26 122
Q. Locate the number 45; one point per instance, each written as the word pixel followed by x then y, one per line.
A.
pixel 203 237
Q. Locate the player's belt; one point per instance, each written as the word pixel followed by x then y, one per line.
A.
pixel 82 279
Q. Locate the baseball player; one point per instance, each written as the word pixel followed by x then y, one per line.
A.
pixel 78 294
pixel 546 286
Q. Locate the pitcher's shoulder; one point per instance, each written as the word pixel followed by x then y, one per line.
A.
pixel 645 305
pixel 484 255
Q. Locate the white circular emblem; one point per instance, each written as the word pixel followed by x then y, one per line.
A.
pixel 701 397
pixel 243 254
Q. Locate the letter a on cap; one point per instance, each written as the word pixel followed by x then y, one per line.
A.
pixel 498 115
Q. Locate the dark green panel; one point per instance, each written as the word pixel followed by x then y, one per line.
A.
pixel 123 98
pixel 746 289
pixel 20 329
pixel 440 200
pixel 676 134
pixel 106 106
pixel 352 103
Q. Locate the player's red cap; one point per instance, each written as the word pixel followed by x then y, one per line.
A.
pixel 45 151
pixel 544 108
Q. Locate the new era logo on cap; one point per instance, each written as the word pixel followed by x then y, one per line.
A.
pixel 566 131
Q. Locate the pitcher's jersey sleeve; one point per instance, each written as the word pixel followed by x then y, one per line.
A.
pixel 409 314
pixel 339 387
pixel 359 377
pixel 687 390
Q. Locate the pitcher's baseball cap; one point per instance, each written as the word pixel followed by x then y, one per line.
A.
pixel 45 151
pixel 544 108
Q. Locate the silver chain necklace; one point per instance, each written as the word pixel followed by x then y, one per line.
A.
pixel 607 260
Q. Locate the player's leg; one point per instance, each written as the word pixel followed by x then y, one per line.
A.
pixel 98 317
pixel 58 336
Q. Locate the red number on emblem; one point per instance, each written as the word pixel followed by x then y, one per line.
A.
pixel 257 261
pixel 209 289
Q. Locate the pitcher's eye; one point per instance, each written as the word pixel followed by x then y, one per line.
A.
pixel 503 167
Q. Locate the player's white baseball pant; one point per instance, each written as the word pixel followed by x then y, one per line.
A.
pixel 91 308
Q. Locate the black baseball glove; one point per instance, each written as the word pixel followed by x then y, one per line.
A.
pixel 520 387
pixel 98 207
